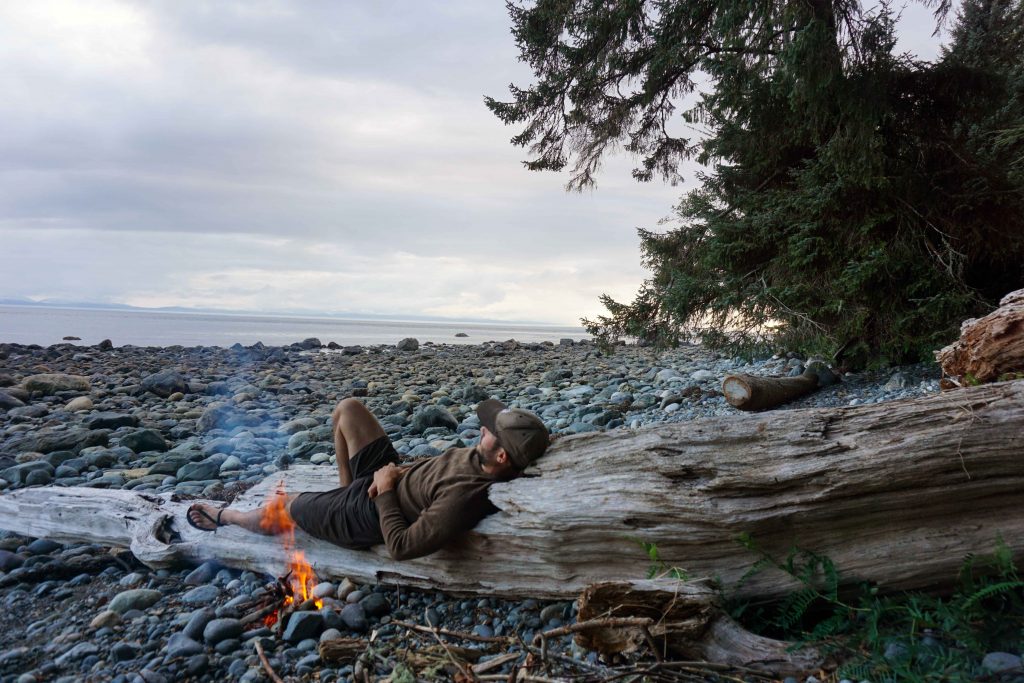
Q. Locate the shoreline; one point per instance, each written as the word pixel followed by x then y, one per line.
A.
pixel 50 325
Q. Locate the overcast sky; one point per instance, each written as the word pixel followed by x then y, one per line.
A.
pixel 275 155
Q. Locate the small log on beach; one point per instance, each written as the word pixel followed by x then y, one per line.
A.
pixel 989 348
pixel 895 493
pixel 751 392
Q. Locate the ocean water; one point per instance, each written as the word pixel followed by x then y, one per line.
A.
pixel 48 325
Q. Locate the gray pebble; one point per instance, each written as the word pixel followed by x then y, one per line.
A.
pixel 997 662
pixel 222 629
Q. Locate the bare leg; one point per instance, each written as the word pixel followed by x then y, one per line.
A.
pixel 249 519
pixel 354 428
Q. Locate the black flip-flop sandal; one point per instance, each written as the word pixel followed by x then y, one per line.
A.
pixel 206 515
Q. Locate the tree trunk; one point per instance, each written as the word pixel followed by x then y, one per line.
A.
pixel 989 347
pixel 893 493
pixel 751 392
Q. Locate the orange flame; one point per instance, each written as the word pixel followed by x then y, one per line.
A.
pixel 301 578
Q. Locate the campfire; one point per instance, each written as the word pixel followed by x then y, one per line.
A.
pixel 294 590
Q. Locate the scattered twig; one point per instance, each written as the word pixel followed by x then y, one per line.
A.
pixel 453 634
pixel 652 644
pixel 497 662
pixel 458 665
pixel 608 622
pixel 266 664
pixel 258 614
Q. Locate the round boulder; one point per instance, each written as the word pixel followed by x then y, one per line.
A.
pixel 408 344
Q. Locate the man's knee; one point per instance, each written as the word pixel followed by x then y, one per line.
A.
pixel 345 410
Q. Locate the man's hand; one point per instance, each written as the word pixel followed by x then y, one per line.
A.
pixel 385 479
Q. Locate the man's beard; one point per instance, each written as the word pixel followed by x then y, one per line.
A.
pixel 490 458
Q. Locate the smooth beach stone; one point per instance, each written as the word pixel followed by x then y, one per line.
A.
pixel 201 595
pixel 135 599
pixel 123 651
pixel 77 404
pixel 197 623
pixel 324 589
pixel 408 344
pixel 330 634
pixel 105 619
pixel 997 662
pixel 38 478
pixel 144 440
pixel 165 383
pixel 8 402
pixel 227 646
pixel 9 560
pixel 133 579
pixel 111 420
pixel 222 629
pixel 18 474
pixel 231 464
pixel 303 625
pixel 354 618
pixel 197 664
pixel 198 471
pixel 375 605
pixel 48 384
pixel 433 416
pixel 79 651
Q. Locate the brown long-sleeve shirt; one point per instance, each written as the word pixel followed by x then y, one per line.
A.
pixel 434 502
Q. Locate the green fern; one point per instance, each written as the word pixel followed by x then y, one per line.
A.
pixel 658 568
pixel 985 614
pixel 1002 588
pixel 793 608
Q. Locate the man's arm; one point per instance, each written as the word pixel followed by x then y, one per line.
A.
pixel 452 514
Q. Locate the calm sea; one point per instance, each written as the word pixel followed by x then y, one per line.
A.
pixel 48 325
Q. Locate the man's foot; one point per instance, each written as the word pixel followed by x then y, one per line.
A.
pixel 204 517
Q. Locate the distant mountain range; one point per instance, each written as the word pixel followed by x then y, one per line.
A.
pixel 62 303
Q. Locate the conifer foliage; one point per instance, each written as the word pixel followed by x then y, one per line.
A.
pixel 855 200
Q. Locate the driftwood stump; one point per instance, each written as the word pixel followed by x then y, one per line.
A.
pixel 686 621
pixel 989 348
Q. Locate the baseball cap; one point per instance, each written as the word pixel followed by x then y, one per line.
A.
pixel 521 433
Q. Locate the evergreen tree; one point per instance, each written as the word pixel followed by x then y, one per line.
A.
pixel 856 201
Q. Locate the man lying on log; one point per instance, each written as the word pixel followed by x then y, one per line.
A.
pixel 416 509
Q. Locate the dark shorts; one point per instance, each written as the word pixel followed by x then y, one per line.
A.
pixel 346 516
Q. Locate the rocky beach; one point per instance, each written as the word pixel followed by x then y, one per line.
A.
pixel 210 422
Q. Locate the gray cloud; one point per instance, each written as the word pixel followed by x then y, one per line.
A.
pixel 293 156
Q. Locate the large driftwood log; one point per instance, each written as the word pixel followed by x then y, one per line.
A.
pixel 894 493
pixel 989 347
